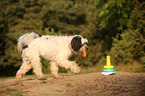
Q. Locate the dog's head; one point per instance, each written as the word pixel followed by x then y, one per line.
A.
pixel 79 44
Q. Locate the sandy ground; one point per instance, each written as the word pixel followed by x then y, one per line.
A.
pixel 91 84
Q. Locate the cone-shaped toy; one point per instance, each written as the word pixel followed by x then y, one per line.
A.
pixel 108 64
pixel 108 69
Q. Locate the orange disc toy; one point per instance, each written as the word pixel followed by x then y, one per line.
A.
pixel 84 54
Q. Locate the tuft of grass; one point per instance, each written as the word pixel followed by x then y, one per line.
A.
pixel 11 92
pixel 43 81
pixel 2 92
pixel 114 82
pixel 58 90
pixel 8 91
pixel 19 93
pixel 79 90
pixel 69 85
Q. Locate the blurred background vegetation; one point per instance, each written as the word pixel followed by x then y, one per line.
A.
pixel 113 27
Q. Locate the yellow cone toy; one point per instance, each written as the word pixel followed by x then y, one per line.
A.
pixel 108 69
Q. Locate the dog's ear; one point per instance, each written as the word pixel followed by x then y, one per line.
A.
pixel 76 43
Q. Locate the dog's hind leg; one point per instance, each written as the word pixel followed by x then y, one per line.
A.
pixel 36 64
pixel 26 66
pixel 54 70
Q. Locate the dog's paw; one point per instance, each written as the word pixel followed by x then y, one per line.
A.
pixel 56 76
pixel 76 70
pixel 18 77
pixel 42 77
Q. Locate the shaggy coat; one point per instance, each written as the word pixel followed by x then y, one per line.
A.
pixel 56 49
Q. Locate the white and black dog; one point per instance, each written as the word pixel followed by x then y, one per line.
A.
pixel 57 49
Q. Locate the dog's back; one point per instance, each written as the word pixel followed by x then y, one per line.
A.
pixel 51 46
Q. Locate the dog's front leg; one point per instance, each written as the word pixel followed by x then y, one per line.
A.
pixel 54 70
pixel 74 67
pixel 70 64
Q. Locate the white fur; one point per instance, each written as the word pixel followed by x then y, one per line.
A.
pixel 57 49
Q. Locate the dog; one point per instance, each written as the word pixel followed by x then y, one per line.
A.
pixel 56 49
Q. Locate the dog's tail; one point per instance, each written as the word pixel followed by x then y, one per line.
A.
pixel 25 39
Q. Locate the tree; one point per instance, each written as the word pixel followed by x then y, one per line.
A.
pixel 130 45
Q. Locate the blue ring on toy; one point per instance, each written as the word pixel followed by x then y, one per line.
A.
pixel 108 70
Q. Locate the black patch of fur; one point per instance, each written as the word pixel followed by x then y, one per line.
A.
pixel 76 43
pixel 25 46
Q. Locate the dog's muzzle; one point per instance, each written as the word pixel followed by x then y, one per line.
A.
pixel 83 50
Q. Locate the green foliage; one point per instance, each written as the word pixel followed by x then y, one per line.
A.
pixel 130 45
pixel 64 17
pixel 98 20
pixel 129 48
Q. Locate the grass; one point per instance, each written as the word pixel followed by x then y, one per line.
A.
pixel 7 90
pixel 93 69
pixel 43 82
pixel 114 82
pixel 13 92
pixel 58 90
pixel 19 93
pixel 79 90
pixel 2 92
pixel 13 77
pixel 69 85
pixel 135 67
pixel 30 77
pixel 5 78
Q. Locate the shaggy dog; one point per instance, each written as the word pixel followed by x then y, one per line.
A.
pixel 56 49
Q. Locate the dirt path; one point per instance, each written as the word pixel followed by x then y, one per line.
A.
pixel 92 84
